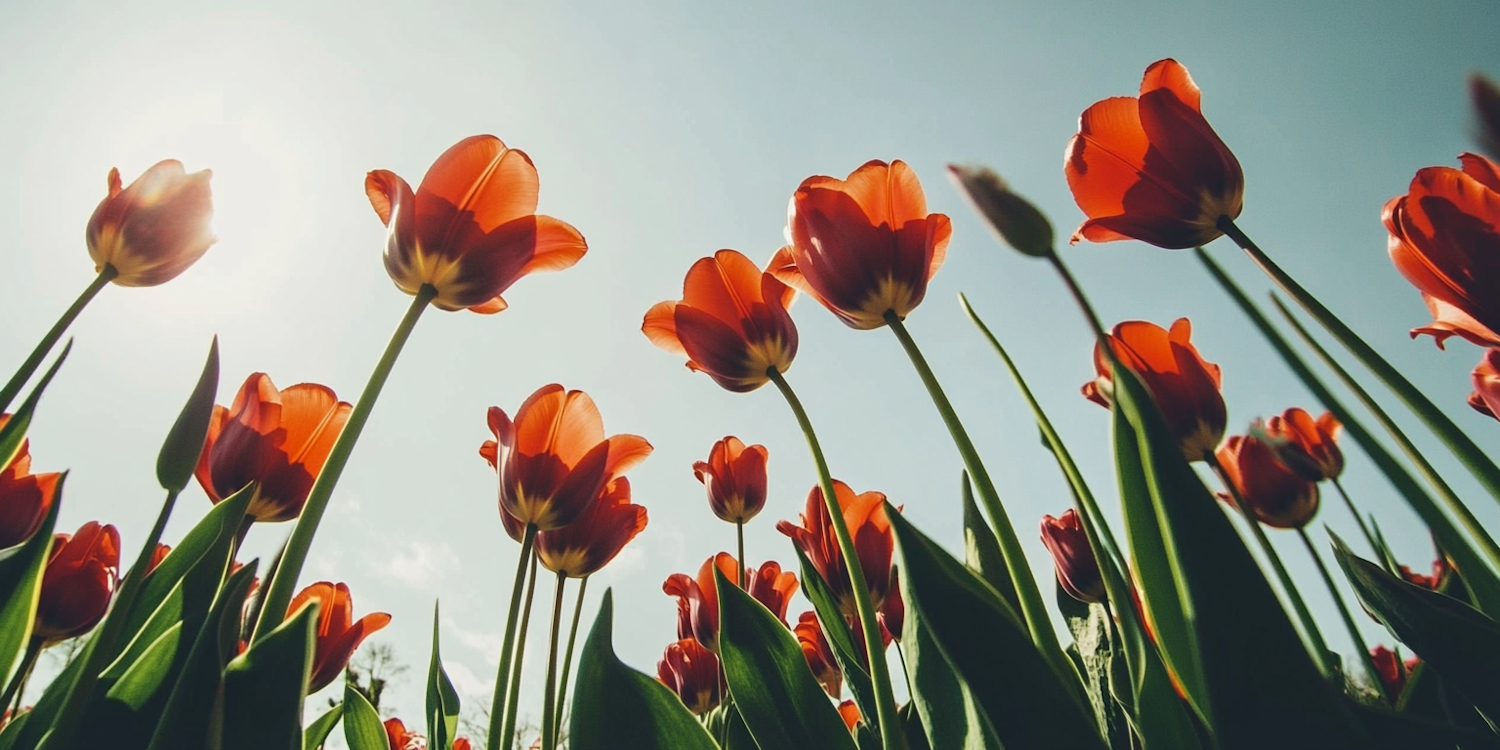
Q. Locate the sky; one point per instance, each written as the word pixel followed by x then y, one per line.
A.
pixel 664 132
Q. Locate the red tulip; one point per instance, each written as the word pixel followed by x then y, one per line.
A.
pixel 25 499
pixel 849 713
pixel 400 739
pixel 735 477
pixel 554 459
pixel 157 555
pixel 339 634
pixel 1486 395
pixel 1392 671
pixel 1277 495
pixel 768 585
pixel 1305 445
pixel 589 543
pixel 462 743
pixel 1151 168
pixel 1444 237
pixel 471 229
pixel 277 439
pixel 1184 386
pixel 692 672
pixel 1077 568
pixel 732 322
pixel 864 514
pixel 1432 582
pixel 78 583
pixel 819 654
pixel 155 228
pixel 864 245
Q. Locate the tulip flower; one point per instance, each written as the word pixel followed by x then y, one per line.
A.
pixel 553 458
pixel 865 245
pixel 735 477
pixel 1485 398
pixel 700 596
pixel 278 439
pixel 732 322
pixel 1183 385
pixel 79 582
pixel 1077 568
pixel 159 554
pixel 1486 98
pixel 1305 445
pixel 471 228
pixel 1392 671
pixel 864 514
pixel 819 654
pixel 1432 582
pixel 692 672
pixel 589 543
pixel 849 713
pixel 400 739
pixel 1151 168
pixel 1277 495
pixel 25 499
pixel 153 229
pixel 1444 235
pixel 338 634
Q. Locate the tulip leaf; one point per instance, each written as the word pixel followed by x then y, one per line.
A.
pixel 317 732
pixel 949 715
pixel 1025 704
pixel 264 687
pixel 1100 663
pixel 208 542
pixel 612 701
pixel 13 432
pixel 12 730
pixel 982 551
pixel 147 672
pixel 179 453
pixel 21 586
pixel 728 727
pixel 836 631
pixel 362 727
pixel 768 676
pixel 442 698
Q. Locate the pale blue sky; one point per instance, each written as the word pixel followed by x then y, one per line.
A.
pixel 663 132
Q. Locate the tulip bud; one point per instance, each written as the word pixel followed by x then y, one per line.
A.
pixel 153 229
pixel 79 581
pixel 735 477
pixel 692 672
pixel 1486 396
pixel 1486 98
pixel 1077 568
pixel 1014 219
pixel 1278 496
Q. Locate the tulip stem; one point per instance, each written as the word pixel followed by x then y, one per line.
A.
pixel 284 585
pixel 17 688
pixel 1358 640
pixel 1032 607
pixel 28 368
pixel 502 676
pixel 512 705
pixel 1319 647
pixel 562 688
pixel 1078 296
pixel 891 735
pixel 549 698
pixel 739 527
pixel 1364 528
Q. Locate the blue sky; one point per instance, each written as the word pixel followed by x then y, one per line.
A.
pixel 664 132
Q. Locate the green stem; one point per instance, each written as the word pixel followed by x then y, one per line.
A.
pixel 549 696
pixel 1469 454
pixel 1081 299
pixel 1317 645
pixel 1364 528
pixel 507 650
pixel 15 690
pixel 562 688
pixel 512 705
pixel 1032 607
pixel 284 585
pixel 28 368
pixel 739 528
pixel 1354 636
pixel 891 735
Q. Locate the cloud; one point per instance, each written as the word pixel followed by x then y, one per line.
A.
pixel 421 564
pixel 469 685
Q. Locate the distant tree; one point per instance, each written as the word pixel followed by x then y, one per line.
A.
pixel 372 669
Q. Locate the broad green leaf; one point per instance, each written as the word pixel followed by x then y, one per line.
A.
pixel 13 432
pixel 1016 689
pixel 840 639
pixel 21 585
pixel 982 552
pixel 727 727
pixel 264 687
pixel 147 672
pixel 214 533
pixel 949 716
pixel 442 699
pixel 362 727
pixel 612 701
pixel 916 735
pixel 179 453
pixel 317 732
pixel 768 676
pixel 1099 661
pixel 12 730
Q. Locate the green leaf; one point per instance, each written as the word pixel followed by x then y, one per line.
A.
pixel 147 672
pixel 1017 691
pixel 362 727
pixel 726 725
pixel 840 639
pixel 612 701
pixel 264 687
pixel 442 699
pixel 769 678
pixel 13 433
pixel 317 732
pixel 208 542
pixel 949 715
pixel 179 454
pixel 982 551
pixel 21 586
pixel 1099 661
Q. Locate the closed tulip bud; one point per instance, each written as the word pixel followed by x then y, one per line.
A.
pixel 819 654
pixel 1278 496
pixel 735 477
pixel 153 229
pixel 1184 386
pixel 79 582
pixel 1014 219
pixel 1077 568
pixel 1393 672
pixel 1305 445
pixel 849 713
pixel 692 672
pixel 1486 377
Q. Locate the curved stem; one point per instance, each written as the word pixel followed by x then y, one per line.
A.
pixel 739 528
pixel 549 696
pixel 28 368
pixel 284 585
pixel 1078 296
pixel 1318 646
pixel 1364 528
pixel 891 735
pixel 511 705
pixel 507 650
pixel 15 690
pixel 562 688
pixel 1333 591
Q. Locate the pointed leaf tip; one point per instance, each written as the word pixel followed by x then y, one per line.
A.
pixel 179 453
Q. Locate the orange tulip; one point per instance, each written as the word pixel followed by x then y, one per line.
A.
pixel 1486 395
pixel 819 654
pixel 471 229
pixel 589 543
pixel 1444 236
pixel 735 477
pixel 25 499
pixel 1077 568
pixel 155 228
pixel 870 529
pixel 400 739
pixel 278 439
pixel 1305 445
pixel 849 713
pixel 159 554
pixel 553 458
pixel 78 583
pixel 1184 386
pixel 1151 168
pixel 692 672
pixel 1277 495
pixel 732 322
pixel 339 634
pixel 864 245
pixel 700 596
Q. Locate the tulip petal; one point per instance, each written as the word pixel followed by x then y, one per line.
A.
pixel 482 181
pixel 660 327
pixel 558 246
pixel 625 453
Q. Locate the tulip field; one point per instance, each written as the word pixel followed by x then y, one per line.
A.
pixel 1169 619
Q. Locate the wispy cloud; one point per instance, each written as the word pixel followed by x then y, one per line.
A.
pixel 420 563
